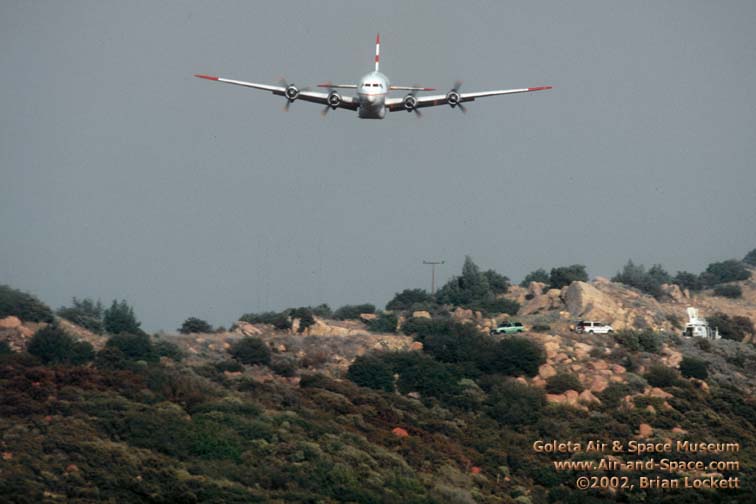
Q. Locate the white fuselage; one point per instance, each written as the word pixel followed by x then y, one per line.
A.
pixel 371 94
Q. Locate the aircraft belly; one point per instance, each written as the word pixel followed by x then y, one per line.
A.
pixel 373 107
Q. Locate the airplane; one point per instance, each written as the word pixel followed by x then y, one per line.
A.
pixel 372 101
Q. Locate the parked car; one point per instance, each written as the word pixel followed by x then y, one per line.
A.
pixel 589 326
pixel 508 328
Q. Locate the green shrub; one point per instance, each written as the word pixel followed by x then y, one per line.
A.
pixel 646 340
pixel 5 348
pixel 120 318
pixel 690 367
pixel 231 366
pixel 421 328
pixel 110 358
pixel 514 356
pixel 661 376
pixel 384 323
pixel 649 281
pixel 499 284
pixel 407 298
pixel 250 351
pixel 84 313
pixel 305 316
pixel 539 275
pixel 372 372
pixel 733 328
pixel 284 367
pixel 459 343
pixel 134 347
pixel 322 311
pixel 728 291
pixel 562 382
pixel 495 306
pixel 515 403
pixel 731 270
pixel 195 325
pixel 167 349
pixel 53 346
pixel 23 305
pixel 353 312
pixel 565 275
pixel 688 281
pixel 278 320
pixel 474 289
pixel 750 258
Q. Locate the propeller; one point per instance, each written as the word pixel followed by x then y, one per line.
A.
pixel 291 92
pixel 452 97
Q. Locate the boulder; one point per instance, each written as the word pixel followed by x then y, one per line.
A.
pixel 645 430
pixel 421 314
pixel 10 322
pixel 368 316
pixel 599 384
pixel 587 396
pixel 546 371
pixel 585 301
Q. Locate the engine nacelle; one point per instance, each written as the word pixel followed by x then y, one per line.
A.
pixel 292 92
pixel 334 99
pixel 452 98
pixel 410 103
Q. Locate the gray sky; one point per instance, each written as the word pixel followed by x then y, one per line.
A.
pixel 123 176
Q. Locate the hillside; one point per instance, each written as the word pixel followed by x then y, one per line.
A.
pixel 457 424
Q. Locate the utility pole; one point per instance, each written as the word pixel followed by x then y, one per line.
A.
pixel 433 274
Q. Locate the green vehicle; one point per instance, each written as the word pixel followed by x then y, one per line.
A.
pixel 508 328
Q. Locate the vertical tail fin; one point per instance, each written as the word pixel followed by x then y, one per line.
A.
pixel 377 51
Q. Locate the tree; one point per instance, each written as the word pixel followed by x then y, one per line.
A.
pixel 134 346
pixel 728 291
pixel 305 316
pixel 407 298
pixel 539 275
pixel 731 270
pixel 195 325
pixel 515 403
pixel 250 350
pixel 23 305
pixel 372 372
pixel 649 281
pixel 750 258
pixel 165 348
pixel 352 312
pixel 514 356
pixel 688 281
pixel 54 346
pixel 732 328
pixel 690 367
pixel 477 290
pixel 565 275
pixel 85 313
pixel 661 376
pixel 383 323
pixel 562 382
pixel 499 284
pixel 120 318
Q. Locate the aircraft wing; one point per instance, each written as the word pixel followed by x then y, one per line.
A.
pixel 395 104
pixel 347 102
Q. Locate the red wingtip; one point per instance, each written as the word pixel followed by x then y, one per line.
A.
pixel 542 88
pixel 377 38
pixel 208 77
pixel 429 89
pixel 326 84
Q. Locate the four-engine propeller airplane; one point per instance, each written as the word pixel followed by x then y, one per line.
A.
pixel 372 101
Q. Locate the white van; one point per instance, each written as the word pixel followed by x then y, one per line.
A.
pixel 591 327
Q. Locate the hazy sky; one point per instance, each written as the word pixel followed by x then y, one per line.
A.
pixel 125 177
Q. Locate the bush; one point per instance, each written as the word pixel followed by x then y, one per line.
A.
pixel 539 275
pixel 688 281
pixel 458 343
pixel 372 372
pixel 514 356
pixel 541 328
pixel 352 312
pixel 750 258
pixel 649 281
pixel 23 305
pixel 5 348
pixel 494 306
pixel 284 367
pixel 120 318
pixel 84 313
pixel 53 346
pixel 474 289
pixel 733 328
pixel 690 367
pixel 515 403
pixel 384 323
pixel 407 298
pixel 728 291
pixel 167 349
pixel 562 382
pixel 278 320
pixel 419 373
pixel 731 270
pixel 250 351
pixel 499 284
pixel 195 325
pixel 565 275
pixel 646 340
pixel 322 311
pixel 110 358
pixel 134 347
pixel 661 376
pixel 305 316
